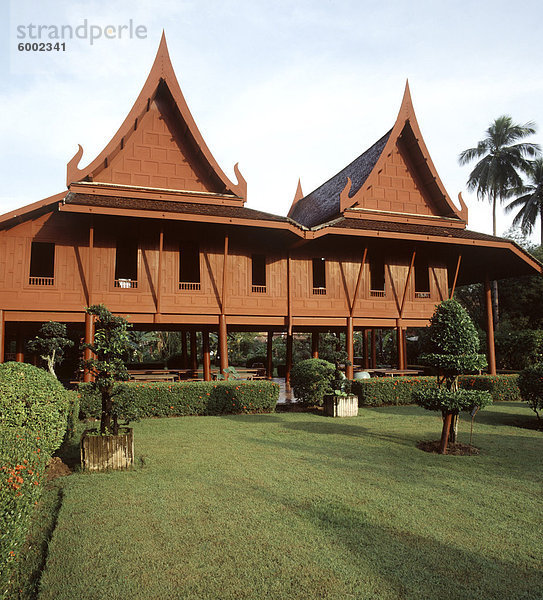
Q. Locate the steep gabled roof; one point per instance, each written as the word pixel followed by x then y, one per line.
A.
pixel 395 175
pixel 159 145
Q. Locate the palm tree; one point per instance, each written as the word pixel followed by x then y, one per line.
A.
pixel 530 202
pixel 502 161
pixel 503 157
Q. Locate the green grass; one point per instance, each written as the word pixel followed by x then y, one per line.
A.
pixel 301 506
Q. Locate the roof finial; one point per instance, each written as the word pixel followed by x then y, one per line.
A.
pixel 297 196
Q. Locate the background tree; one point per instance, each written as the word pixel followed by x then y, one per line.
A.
pixel 50 344
pixel 111 348
pixel 452 349
pixel 529 200
pixel 502 158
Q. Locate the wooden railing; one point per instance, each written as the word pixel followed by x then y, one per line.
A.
pixel 377 293
pixel 41 280
pixel 319 291
pixel 190 286
pixel 422 294
pixel 259 289
pixel 126 283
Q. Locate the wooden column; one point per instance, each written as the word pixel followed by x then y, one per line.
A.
pixel 91 263
pixel 349 343
pixel 399 345
pixel 491 353
pixel 288 361
pixel 404 339
pixel 269 356
pixel 373 350
pixel 365 348
pixel 184 358
pixel 193 352
pixel 19 346
pixel 206 356
pixel 159 277
pixel 2 335
pixel 89 339
pixel 223 343
pixel 315 344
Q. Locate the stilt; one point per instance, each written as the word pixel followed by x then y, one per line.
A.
pixel 2 335
pixel 288 361
pixel 404 340
pixel 315 344
pixel 206 356
pixel 89 339
pixel 349 343
pixel 373 350
pixel 269 356
pixel 365 348
pixel 193 352
pixel 223 343
pixel 19 346
pixel 400 347
pixel 491 352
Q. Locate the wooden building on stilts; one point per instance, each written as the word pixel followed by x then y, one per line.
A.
pixel 154 229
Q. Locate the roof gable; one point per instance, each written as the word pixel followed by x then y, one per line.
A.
pixel 396 175
pixel 159 145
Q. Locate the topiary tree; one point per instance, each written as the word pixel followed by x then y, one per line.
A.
pixel 530 383
pixel 50 344
pixel 451 348
pixel 311 379
pixel 111 348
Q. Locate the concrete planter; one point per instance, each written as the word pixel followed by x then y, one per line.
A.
pixel 107 452
pixel 341 406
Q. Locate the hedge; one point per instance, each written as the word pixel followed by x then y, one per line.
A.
pixel 186 398
pixel 379 391
pixel 34 399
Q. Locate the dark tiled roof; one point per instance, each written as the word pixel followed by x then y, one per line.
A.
pixel 212 210
pixel 415 228
pixel 323 204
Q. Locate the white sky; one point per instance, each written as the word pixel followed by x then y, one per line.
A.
pixel 287 88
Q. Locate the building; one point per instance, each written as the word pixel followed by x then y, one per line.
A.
pixel 154 229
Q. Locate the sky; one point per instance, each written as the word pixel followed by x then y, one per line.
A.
pixel 289 89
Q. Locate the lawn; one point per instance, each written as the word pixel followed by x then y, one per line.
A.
pixel 301 506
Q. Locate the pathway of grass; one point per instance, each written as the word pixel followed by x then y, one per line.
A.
pixel 301 506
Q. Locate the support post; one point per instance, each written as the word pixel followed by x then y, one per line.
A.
pixel 206 356
pixel 400 345
pixel 193 353
pixel 288 361
pixel 269 356
pixel 91 260
pixel 89 339
pixel 223 343
pixel 491 352
pixel 2 335
pixel 349 342
pixel 365 348
pixel 373 350
pixel 315 344
pixel 19 347
pixel 159 277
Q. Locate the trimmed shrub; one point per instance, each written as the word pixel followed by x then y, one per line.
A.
pixel 531 387
pixel 311 379
pixel 157 399
pixel 504 388
pixel 22 465
pixel 34 399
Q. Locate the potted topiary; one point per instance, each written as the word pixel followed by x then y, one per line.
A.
pixel 311 380
pixel 340 402
pixel 110 447
pixel 451 349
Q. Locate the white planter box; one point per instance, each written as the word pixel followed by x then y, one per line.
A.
pixel 341 406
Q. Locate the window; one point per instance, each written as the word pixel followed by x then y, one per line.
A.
pixel 258 273
pixel 189 266
pixel 319 276
pixel 126 264
pixel 422 278
pixel 42 263
pixel 377 276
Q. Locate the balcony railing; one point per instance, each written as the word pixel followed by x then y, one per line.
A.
pixel 422 294
pixel 377 293
pixel 191 286
pixel 319 291
pixel 41 280
pixel 258 289
pixel 126 283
